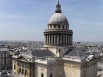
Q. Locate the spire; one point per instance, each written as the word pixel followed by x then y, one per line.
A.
pixel 58 1
pixel 58 8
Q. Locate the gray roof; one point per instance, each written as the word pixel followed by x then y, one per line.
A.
pixel 39 53
pixel 77 53
pixel 58 18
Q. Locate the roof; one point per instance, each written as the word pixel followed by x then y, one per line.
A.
pixel 38 53
pixel 58 18
pixel 78 53
pixel 4 49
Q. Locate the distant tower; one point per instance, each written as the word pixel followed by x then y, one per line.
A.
pixel 58 32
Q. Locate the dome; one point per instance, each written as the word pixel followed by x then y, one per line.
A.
pixel 58 18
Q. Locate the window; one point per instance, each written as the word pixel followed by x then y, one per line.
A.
pixel 22 71
pixel 63 27
pixel 19 70
pixel 58 26
pixel 51 75
pixel 42 75
pixel 25 72
pixel 54 26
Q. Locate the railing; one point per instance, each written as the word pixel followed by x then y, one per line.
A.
pixel 58 30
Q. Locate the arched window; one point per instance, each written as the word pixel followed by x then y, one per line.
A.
pixel 42 75
pixel 51 75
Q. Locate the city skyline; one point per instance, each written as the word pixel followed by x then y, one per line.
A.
pixel 27 19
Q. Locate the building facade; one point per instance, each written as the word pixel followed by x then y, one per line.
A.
pixel 58 58
pixel 5 59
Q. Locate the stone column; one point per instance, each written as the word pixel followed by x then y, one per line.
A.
pixel 48 39
pixel 66 39
pixel 51 39
pixel 57 39
pixel 70 40
pixel 63 39
pixel 54 39
pixel 45 39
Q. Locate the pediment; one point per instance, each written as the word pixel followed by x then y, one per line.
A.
pixel 22 58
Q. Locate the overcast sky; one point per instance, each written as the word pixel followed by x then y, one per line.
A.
pixel 27 19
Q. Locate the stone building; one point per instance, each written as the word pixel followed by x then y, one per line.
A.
pixel 5 59
pixel 58 58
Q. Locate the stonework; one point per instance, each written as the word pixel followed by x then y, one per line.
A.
pixel 58 32
pixel 22 68
pixel 58 58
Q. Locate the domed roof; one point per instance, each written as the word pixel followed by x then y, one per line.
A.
pixel 57 18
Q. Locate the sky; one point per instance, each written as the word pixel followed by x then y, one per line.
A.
pixel 27 19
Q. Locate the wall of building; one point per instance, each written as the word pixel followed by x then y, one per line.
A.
pixel 39 70
pixel 14 67
pixel 72 69
pixel 22 69
pixel 91 69
pixel 5 60
pixel 55 70
pixel 59 69
pixel 47 70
